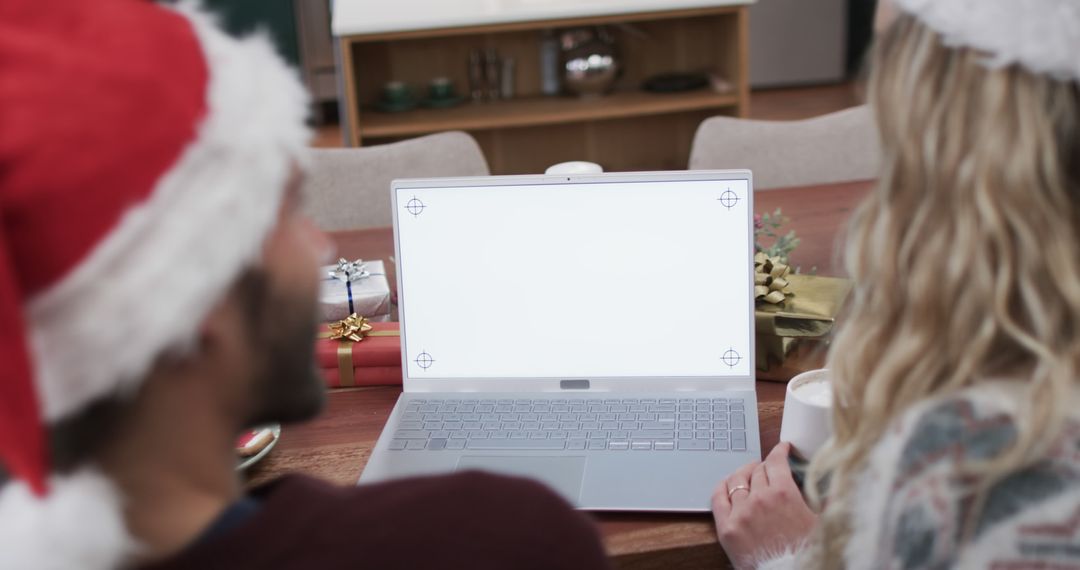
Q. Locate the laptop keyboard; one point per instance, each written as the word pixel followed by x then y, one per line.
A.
pixel 592 424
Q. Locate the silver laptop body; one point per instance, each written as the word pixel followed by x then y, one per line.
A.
pixel 594 332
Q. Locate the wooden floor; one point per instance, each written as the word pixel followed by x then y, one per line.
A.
pixel 784 104
pixel 802 102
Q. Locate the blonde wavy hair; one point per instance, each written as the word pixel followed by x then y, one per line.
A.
pixel 964 257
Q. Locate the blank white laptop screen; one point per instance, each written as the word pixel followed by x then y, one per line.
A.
pixel 577 280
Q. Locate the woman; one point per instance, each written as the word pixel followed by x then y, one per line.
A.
pixel 956 425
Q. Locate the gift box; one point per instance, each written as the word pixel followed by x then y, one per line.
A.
pixel 793 334
pixel 356 352
pixel 376 349
pixel 366 376
pixel 355 287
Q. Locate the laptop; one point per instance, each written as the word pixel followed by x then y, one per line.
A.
pixel 594 332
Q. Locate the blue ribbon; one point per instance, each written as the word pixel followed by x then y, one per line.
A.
pixel 347 271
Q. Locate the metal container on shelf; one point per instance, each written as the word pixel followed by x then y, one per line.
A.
pixel 590 61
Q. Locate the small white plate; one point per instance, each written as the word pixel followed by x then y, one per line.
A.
pixel 275 430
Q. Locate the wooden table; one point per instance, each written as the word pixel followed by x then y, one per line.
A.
pixel 336 446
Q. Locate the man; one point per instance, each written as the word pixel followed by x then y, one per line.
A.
pixel 157 296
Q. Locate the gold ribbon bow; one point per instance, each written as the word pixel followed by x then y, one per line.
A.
pixel 770 279
pixel 351 329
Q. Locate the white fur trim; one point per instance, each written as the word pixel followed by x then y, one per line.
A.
pixel 1041 35
pixel 785 560
pixel 149 284
pixel 79 525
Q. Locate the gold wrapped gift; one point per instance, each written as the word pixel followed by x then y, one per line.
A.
pixel 792 335
pixel 770 279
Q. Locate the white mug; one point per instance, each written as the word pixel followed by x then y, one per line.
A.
pixel 807 421
pixel 575 167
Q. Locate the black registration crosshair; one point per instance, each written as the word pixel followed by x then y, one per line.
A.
pixel 415 206
pixel 728 199
pixel 731 358
pixel 424 360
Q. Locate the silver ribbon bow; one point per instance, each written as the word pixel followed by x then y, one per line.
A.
pixel 350 271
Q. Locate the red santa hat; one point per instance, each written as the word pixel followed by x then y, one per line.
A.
pixel 143 157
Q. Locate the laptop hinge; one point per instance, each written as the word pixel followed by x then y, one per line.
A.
pixel 574 384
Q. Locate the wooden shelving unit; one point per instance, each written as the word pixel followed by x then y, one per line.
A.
pixel 627 130
pixel 534 111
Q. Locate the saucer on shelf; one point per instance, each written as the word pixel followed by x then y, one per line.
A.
pixel 395 106
pixel 443 102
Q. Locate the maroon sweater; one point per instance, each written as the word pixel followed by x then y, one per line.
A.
pixel 471 520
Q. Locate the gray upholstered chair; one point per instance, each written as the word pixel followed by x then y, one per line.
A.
pixel 836 147
pixel 349 188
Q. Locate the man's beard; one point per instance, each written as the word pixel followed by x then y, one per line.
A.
pixel 287 387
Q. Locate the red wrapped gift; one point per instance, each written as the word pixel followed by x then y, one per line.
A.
pixel 364 376
pixel 359 353
pixel 372 351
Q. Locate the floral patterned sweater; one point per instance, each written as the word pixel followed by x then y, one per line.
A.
pixel 914 510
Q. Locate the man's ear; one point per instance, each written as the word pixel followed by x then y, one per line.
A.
pixel 207 352
pixel 218 332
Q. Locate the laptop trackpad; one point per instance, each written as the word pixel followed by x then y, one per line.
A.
pixel 563 474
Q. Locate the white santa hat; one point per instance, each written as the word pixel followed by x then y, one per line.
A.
pixel 1042 36
pixel 143 158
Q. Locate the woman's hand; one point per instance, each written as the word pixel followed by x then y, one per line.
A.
pixel 759 511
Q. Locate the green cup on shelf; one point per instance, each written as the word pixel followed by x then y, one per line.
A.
pixel 441 93
pixel 396 96
pixel 441 88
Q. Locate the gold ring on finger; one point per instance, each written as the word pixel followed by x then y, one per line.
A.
pixel 738 488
